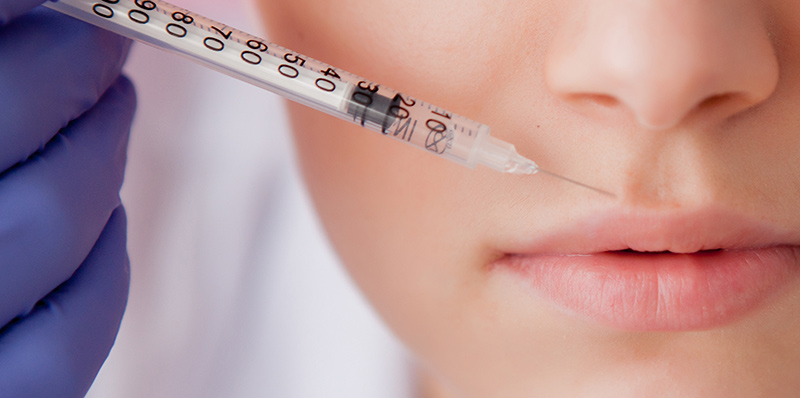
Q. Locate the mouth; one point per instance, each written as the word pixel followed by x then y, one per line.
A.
pixel 655 272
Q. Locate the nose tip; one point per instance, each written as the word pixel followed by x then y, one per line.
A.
pixel 663 61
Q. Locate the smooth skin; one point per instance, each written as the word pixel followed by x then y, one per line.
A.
pixel 671 104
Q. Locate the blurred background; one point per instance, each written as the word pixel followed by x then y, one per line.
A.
pixel 235 291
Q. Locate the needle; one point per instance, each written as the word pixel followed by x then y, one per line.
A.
pixel 598 190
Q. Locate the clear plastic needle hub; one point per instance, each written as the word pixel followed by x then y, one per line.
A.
pixel 502 156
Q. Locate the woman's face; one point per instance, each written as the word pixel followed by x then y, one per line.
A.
pixel 685 285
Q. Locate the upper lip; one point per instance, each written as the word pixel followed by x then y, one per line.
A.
pixel 659 231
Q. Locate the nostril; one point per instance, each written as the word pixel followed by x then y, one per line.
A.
pixel 603 100
pixel 597 100
pixel 726 104
pixel 714 101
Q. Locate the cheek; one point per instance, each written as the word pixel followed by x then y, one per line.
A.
pixel 394 213
pixel 381 206
pixel 437 51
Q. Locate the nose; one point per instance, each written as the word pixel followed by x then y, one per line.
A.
pixel 663 62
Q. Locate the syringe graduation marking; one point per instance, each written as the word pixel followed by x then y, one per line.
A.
pixel 364 102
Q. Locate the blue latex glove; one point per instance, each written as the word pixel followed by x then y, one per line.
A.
pixel 65 115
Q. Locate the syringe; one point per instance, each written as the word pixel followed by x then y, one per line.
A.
pixel 304 80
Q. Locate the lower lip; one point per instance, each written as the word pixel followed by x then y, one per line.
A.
pixel 660 291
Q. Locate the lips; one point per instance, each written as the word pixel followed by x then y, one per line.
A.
pixel 651 271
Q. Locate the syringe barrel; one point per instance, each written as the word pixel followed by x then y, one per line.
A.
pixel 287 73
pixel 412 121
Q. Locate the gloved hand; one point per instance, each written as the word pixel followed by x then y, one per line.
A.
pixel 65 115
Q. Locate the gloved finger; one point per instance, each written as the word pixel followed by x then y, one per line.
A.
pixel 53 68
pixel 53 206
pixel 57 350
pixel 10 9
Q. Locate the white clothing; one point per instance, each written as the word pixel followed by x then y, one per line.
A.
pixel 235 291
